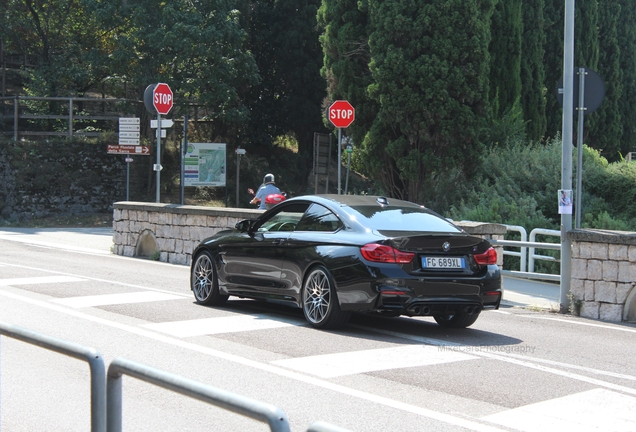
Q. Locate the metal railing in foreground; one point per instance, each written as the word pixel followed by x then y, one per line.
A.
pixel 106 390
pixel 71 349
pixel 264 412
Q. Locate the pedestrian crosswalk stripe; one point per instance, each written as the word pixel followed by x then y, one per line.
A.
pixel 115 299
pixel 356 362
pixel 209 326
pixel 39 280
pixel 592 410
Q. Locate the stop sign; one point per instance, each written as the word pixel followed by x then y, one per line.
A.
pixel 162 98
pixel 341 114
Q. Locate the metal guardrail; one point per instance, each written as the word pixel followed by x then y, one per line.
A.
pixel 528 249
pixel 106 389
pixel 92 357
pixel 273 416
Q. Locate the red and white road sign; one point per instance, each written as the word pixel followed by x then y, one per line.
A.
pixel 162 98
pixel 341 113
pixel 128 149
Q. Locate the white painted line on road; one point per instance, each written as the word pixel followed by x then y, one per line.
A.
pixel 115 299
pixel 488 350
pixel 370 397
pixel 357 362
pixel 210 326
pixel 500 311
pixel 610 327
pixel 40 280
pixel 594 410
pixel 28 239
pixel 185 270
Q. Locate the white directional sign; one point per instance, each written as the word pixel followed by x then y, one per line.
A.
pixel 165 123
pixel 129 130
pixel 162 131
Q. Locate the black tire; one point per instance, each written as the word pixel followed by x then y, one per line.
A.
pixel 204 282
pixel 458 320
pixel 320 300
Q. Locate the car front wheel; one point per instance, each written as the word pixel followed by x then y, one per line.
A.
pixel 320 301
pixel 204 283
pixel 458 320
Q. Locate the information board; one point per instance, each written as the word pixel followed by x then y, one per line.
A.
pixel 205 164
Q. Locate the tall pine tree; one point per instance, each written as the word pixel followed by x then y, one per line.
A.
pixel 533 99
pixel 505 56
pixel 626 34
pixel 607 133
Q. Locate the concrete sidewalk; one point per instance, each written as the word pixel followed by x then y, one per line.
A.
pixel 517 292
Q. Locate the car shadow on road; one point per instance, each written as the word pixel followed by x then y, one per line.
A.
pixel 403 330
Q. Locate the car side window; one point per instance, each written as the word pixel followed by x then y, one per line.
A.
pixel 285 219
pixel 319 218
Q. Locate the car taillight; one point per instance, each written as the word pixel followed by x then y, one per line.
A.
pixel 386 254
pixel 486 258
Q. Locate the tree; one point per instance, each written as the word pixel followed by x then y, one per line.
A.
pixel 626 35
pixel 284 41
pixel 533 97
pixel 553 28
pixel 196 47
pixel 59 40
pixel 429 64
pixel 345 44
pixel 505 55
pixel 607 134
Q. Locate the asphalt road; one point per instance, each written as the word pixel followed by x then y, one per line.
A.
pixel 514 369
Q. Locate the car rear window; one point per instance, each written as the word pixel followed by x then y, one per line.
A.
pixel 403 219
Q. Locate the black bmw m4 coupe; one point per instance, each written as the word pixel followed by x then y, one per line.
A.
pixel 333 255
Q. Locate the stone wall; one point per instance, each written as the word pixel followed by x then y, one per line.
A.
pixel 173 231
pixel 604 274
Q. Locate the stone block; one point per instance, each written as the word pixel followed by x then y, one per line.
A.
pixel 196 220
pixel 631 253
pixel 611 312
pixel 599 251
pixel 594 270
pixel 575 249
pixel 577 288
pixel 618 252
pixel 589 290
pixel 610 271
pixel 153 217
pixel 622 291
pixel 626 271
pixel 129 251
pixel 590 310
pixel 579 268
pixel 605 291
pixel 585 249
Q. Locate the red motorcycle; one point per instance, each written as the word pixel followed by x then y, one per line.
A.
pixel 270 200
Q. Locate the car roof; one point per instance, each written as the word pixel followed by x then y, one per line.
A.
pixel 358 200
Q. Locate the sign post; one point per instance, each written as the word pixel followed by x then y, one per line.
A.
pixel 341 114
pixel 161 100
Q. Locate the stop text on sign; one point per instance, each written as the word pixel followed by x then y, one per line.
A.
pixel 341 114
pixel 163 98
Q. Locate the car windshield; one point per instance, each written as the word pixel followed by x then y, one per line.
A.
pixel 403 219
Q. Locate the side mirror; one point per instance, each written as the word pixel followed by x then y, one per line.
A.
pixel 243 226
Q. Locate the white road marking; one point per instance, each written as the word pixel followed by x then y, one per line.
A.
pixel 609 327
pixel 39 280
pixel 28 239
pixel 209 326
pixel 488 350
pixel 115 299
pixel 356 362
pixel 596 410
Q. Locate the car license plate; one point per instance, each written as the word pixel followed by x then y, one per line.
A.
pixel 442 262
